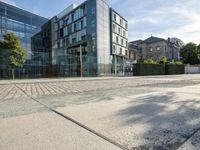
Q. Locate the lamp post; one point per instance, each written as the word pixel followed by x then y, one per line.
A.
pixel 115 57
pixel 81 61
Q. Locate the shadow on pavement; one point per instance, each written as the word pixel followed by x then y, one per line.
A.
pixel 170 119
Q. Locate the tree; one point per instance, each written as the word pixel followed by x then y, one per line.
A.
pixel 14 56
pixel 198 49
pixel 191 53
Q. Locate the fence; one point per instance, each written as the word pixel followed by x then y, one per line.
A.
pixel 192 69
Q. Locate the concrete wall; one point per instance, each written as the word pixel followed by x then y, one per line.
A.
pixel 195 69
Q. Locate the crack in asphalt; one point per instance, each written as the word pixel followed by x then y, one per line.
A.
pixel 75 122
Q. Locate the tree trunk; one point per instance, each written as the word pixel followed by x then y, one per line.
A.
pixel 13 73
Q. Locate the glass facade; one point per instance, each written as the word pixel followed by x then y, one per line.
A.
pixel 103 40
pixel 24 25
pixel 80 41
pixel 41 47
pixel 83 40
pixel 75 41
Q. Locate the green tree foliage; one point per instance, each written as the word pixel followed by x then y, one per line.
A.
pixel 191 53
pixel 11 52
pixel 198 49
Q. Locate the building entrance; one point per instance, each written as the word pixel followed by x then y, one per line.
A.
pixel 76 60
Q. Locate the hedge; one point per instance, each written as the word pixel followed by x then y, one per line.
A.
pixel 174 69
pixel 149 69
pixel 158 69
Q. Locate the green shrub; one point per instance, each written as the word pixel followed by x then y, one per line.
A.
pixel 150 61
pixel 152 67
pixel 179 63
pixel 172 62
pixel 164 60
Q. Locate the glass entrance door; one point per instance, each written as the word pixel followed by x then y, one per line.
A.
pixel 74 61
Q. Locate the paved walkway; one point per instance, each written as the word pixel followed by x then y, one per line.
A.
pixel 101 113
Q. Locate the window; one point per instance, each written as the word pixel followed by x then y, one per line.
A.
pixel 82 10
pixel 119 30
pixel 151 49
pixel 121 22
pixel 75 27
pixel 65 31
pixel 114 48
pixel 124 33
pixel 82 24
pixel 83 34
pixel 56 36
pixel 126 25
pixel 126 52
pixel 61 32
pixel 158 48
pixel 66 41
pixel 56 26
pixel 83 37
pixel 61 23
pixel 72 17
pixel 67 21
pixel 117 39
pixel 114 27
pixel 58 44
pixel 115 17
pixel 78 25
pixel 122 41
pixel 73 40
pixel 120 51
pixel 61 43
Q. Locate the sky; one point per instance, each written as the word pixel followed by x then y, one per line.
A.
pixel 160 18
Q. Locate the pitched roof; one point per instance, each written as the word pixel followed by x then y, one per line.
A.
pixel 132 46
pixel 136 43
pixel 153 39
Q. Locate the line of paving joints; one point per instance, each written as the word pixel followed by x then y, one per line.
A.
pixel 85 79
pixel 61 81
pixel 76 122
pixel 189 137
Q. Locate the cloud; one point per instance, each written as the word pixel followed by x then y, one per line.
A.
pixel 164 18
pixel 178 18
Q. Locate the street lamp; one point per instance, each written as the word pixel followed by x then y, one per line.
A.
pixel 81 61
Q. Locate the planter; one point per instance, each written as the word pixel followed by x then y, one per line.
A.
pixel 149 69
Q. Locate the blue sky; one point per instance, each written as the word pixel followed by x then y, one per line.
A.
pixel 162 18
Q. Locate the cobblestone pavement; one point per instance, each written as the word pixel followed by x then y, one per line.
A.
pixel 59 87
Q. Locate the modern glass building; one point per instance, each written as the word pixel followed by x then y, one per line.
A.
pixel 90 39
pixel 24 24
pixel 82 39
pixel 41 47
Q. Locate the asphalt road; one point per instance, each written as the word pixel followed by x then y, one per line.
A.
pixel 158 112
